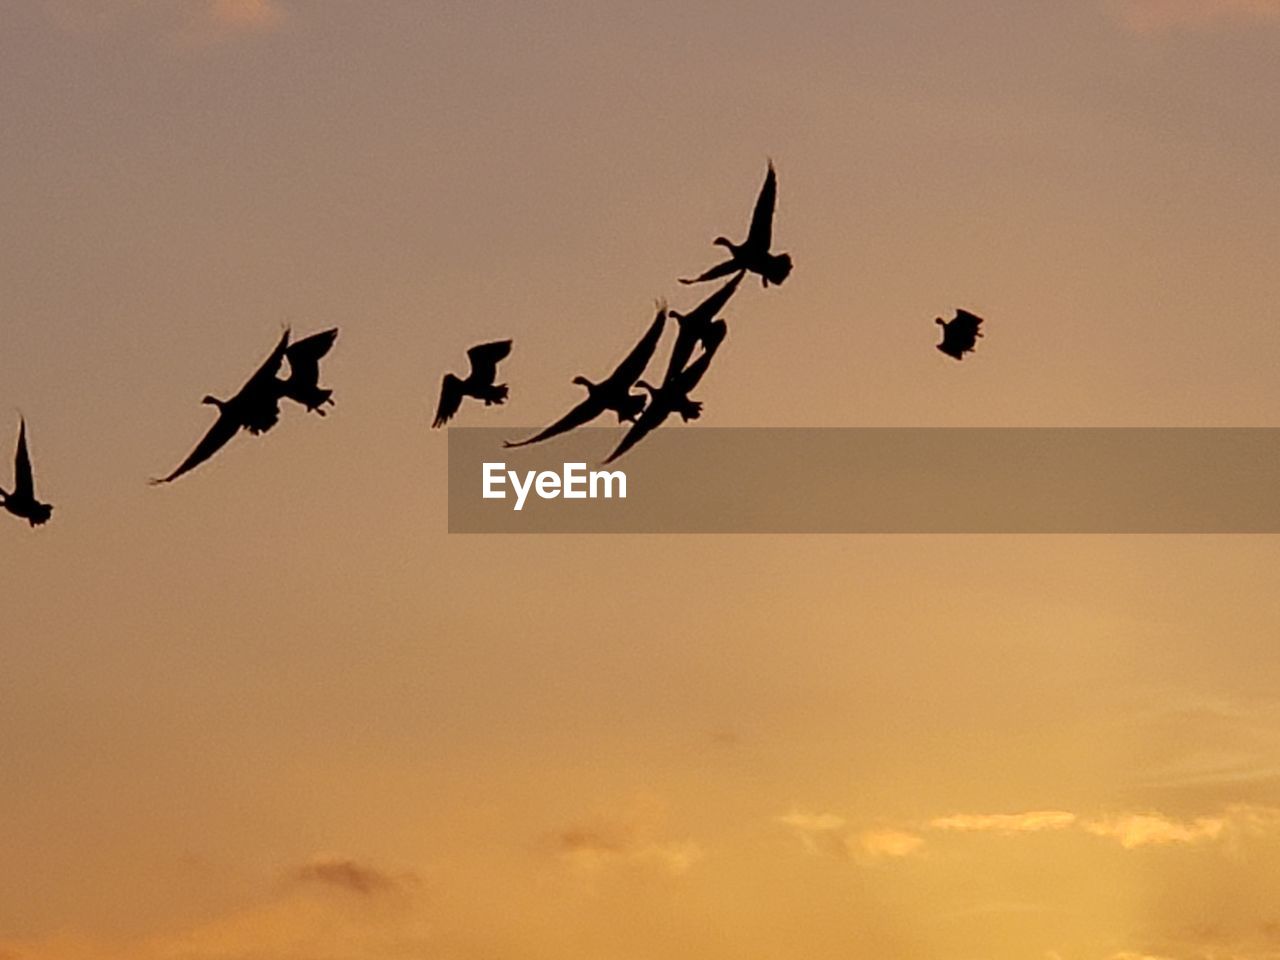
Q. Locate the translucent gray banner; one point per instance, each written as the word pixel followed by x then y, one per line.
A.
pixel 870 480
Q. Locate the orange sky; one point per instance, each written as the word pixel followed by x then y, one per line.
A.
pixel 274 712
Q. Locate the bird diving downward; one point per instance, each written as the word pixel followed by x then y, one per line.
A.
pixel 479 383
pixel 256 408
pixel 673 395
pixel 959 335
pixel 612 393
pixel 22 502
pixel 753 253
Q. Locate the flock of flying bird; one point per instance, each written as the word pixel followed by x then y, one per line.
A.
pixel 256 406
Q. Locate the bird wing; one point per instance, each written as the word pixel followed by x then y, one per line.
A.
pixel 654 414
pixel 223 429
pixel 632 367
pixel 719 270
pixel 23 481
pixel 660 406
pixel 266 373
pixel 696 325
pixel 760 237
pixel 584 412
pixel 304 355
pixel 485 359
pixel 706 311
pixel 450 400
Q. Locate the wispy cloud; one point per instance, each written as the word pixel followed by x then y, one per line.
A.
pixel 1147 16
pixel 829 835
pixel 631 838
pixel 832 835
pixel 1031 822
pixel 315 917
pixel 1147 829
pixel 347 874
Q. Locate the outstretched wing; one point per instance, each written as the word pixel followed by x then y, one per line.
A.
pixel 485 358
pixel 632 367
pixel 304 356
pixel 265 375
pixel 692 374
pixel 760 237
pixel 719 270
pixel 450 400
pixel 223 429
pixel 24 486
pixel 696 325
pixel 654 414
pixel 584 412
pixel 661 405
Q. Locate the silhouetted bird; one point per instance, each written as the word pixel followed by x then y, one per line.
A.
pixel 754 253
pixel 256 408
pixel 612 393
pixel 22 501
pixel 673 395
pixel 959 336
pixel 479 384
pixel 303 385
pixel 695 326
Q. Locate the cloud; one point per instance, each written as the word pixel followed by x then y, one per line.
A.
pixel 633 838
pixel 828 834
pixel 1030 822
pixel 349 875
pixel 1148 16
pixel 890 843
pixel 1146 829
pixel 298 922
pixel 1236 824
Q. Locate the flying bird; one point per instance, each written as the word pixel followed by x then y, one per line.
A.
pixel 479 383
pixel 696 325
pixel 256 408
pixel 303 384
pixel 22 502
pixel 612 393
pixel 960 335
pixel 673 395
pixel 753 253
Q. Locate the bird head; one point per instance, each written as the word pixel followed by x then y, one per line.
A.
pixel 645 385
pixel 723 242
pixel 583 382
pixel 212 401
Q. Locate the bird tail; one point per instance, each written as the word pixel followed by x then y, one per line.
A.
pixel 690 410
pixel 778 269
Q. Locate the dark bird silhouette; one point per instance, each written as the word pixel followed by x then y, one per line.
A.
pixel 479 384
pixel 753 254
pixel 960 335
pixel 22 502
pixel 612 393
pixel 256 408
pixel 303 385
pixel 696 325
pixel 673 395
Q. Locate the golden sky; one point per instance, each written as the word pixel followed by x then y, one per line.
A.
pixel 274 712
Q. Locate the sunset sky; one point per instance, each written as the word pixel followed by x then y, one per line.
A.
pixel 274 712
